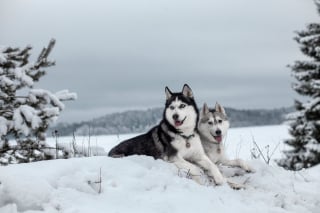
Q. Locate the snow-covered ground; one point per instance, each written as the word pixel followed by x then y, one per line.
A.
pixel 141 184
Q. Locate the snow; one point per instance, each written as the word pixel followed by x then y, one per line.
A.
pixel 21 75
pixel 65 95
pixel 142 184
pixel 6 82
pixel 24 115
pixel 308 38
pixel 51 111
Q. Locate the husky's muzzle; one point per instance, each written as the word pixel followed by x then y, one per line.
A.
pixel 178 122
pixel 217 136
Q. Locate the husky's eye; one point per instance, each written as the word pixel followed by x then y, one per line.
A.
pixel 171 107
pixel 210 122
pixel 182 106
pixel 219 121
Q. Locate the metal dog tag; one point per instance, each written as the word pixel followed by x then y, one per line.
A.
pixel 188 144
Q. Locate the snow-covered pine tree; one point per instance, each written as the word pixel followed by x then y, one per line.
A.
pixel 26 112
pixel 305 122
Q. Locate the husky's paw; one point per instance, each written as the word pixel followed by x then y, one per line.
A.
pixel 251 170
pixel 199 180
pixel 246 167
pixel 219 179
pixel 235 186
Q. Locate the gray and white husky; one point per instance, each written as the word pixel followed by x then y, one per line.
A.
pixel 213 126
pixel 175 139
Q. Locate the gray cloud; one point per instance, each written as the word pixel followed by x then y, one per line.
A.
pixel 120 54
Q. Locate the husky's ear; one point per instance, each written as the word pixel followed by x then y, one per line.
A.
pixel 220 109
pixel 168 93
pixel 205 109
pixel 186 91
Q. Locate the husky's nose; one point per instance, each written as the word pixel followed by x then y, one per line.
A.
pixel 175 117
pixel 218 132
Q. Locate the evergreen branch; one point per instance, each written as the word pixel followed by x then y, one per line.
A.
pixel 10 49
pixel 5 111
pixel 26 56
pixel 12 97
pixel 42 58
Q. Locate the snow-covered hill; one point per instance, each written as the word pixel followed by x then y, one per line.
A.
pixel 141 184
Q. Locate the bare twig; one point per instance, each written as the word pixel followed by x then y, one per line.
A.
pixel 89 146
pixel 254 155
pixel 274 150
pixel 268 155
pixel 97 147
pixel 254 142
pixel 82 148
pixel 100 181
pixel 268 149
pixel 55 134
pixel 246 180
pixel 239 146
pixel 304 178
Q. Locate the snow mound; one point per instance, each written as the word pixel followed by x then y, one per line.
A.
pixel 142 184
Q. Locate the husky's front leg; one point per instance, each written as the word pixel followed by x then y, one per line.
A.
pixel 194 171
pixel 237 163
pixel 212 169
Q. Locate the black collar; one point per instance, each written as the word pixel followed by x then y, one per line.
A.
pixel 187 137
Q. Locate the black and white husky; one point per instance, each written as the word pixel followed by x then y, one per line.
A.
pixel 213 126
pixel 175 139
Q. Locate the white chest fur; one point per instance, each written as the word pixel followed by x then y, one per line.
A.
pixel 214 151
pixel 188 151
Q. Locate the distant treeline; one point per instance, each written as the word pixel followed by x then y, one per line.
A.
pixel 138 121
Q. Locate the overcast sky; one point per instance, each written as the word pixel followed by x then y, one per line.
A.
pixel 120 54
